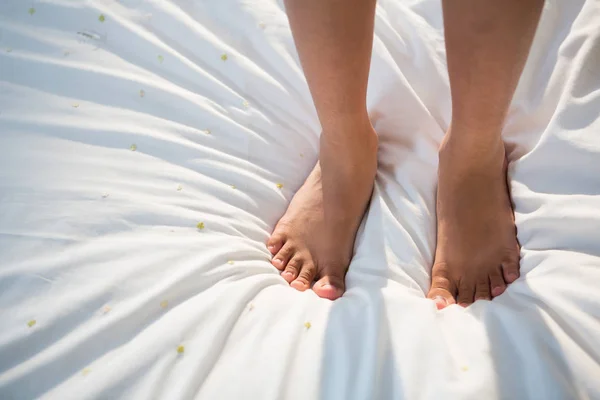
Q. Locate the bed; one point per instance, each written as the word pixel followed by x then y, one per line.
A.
pixel 147 149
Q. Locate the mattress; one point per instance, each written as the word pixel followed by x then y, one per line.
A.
pixel 148 148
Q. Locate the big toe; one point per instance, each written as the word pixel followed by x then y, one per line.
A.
pixel 441 288
pixel 275 242
pixel 442 298
pixel 282 257
pixel 331 286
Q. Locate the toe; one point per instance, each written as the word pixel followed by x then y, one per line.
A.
pixel 305 277
pixel 482 289
pixel 466 292
pixel 331 285
pixel 293 267
pixel 511 271
pixel 442 288
pixel 275 242
pixel 282 257
pixel 497 284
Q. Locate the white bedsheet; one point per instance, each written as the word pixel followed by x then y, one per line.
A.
pixel 124 124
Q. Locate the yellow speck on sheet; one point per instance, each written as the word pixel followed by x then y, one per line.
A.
pixel 261 25
pixel 101 18
pixel 106 309
pixel 465 368
pixel 85 371
pixel 307 325
pixel 301 155
pixel 179 188
pixel 233 186
pixel 164 303
pixel 279 185
pixel 207 131
pixel 230 262
pixel 200 225
pixel 133 147
pixel 75 105
pixel 224 57
pixel 31 323
pixel 180 349
pixel 31 11
pixel 245 104
pixel 142 93
pixel 160 59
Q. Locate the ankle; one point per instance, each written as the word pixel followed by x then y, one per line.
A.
pixel 346 122
pixel 468 148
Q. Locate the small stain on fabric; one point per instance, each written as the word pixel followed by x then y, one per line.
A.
pixel 8 50
pixel 142 93
pixel 230 262
pixel 133 147
pixel 85 371
pixel 207 131
pixel 160 59
pixel 106 309
pixel 224 57
pixel 180 349
pixel 75 105
pixel 262 25
pixel 307 325
pixel 105 195
pixel 101 18
pixel 164 304
pixel 245 104
pixel 233 186
pixel 465 368
pixel 179 188
pixel 279 185
pixel 31 11
pixel 250 307
pixel 200 225
pixel 31 323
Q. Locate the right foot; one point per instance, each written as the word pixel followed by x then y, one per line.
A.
pixel 315 237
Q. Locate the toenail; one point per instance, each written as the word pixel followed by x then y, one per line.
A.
pixel 287 274
pixel 512 276
pixel 439 300
pixel 298 285
pixel 497 291
pixel 329 286
pixel 277 261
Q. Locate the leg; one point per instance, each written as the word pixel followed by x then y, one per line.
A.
pixel 477 254
pixel 315 237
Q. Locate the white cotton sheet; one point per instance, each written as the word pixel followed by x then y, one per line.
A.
pixel 124 124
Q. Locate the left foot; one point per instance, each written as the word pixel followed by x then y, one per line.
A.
pixel 477 252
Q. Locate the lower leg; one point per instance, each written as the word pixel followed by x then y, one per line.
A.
pixel 314 239
pixel 487 43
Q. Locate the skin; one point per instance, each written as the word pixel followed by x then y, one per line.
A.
pixel 315 237
pixel 477 252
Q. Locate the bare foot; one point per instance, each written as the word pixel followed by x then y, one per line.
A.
pixel 477 251
pixel 315 237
